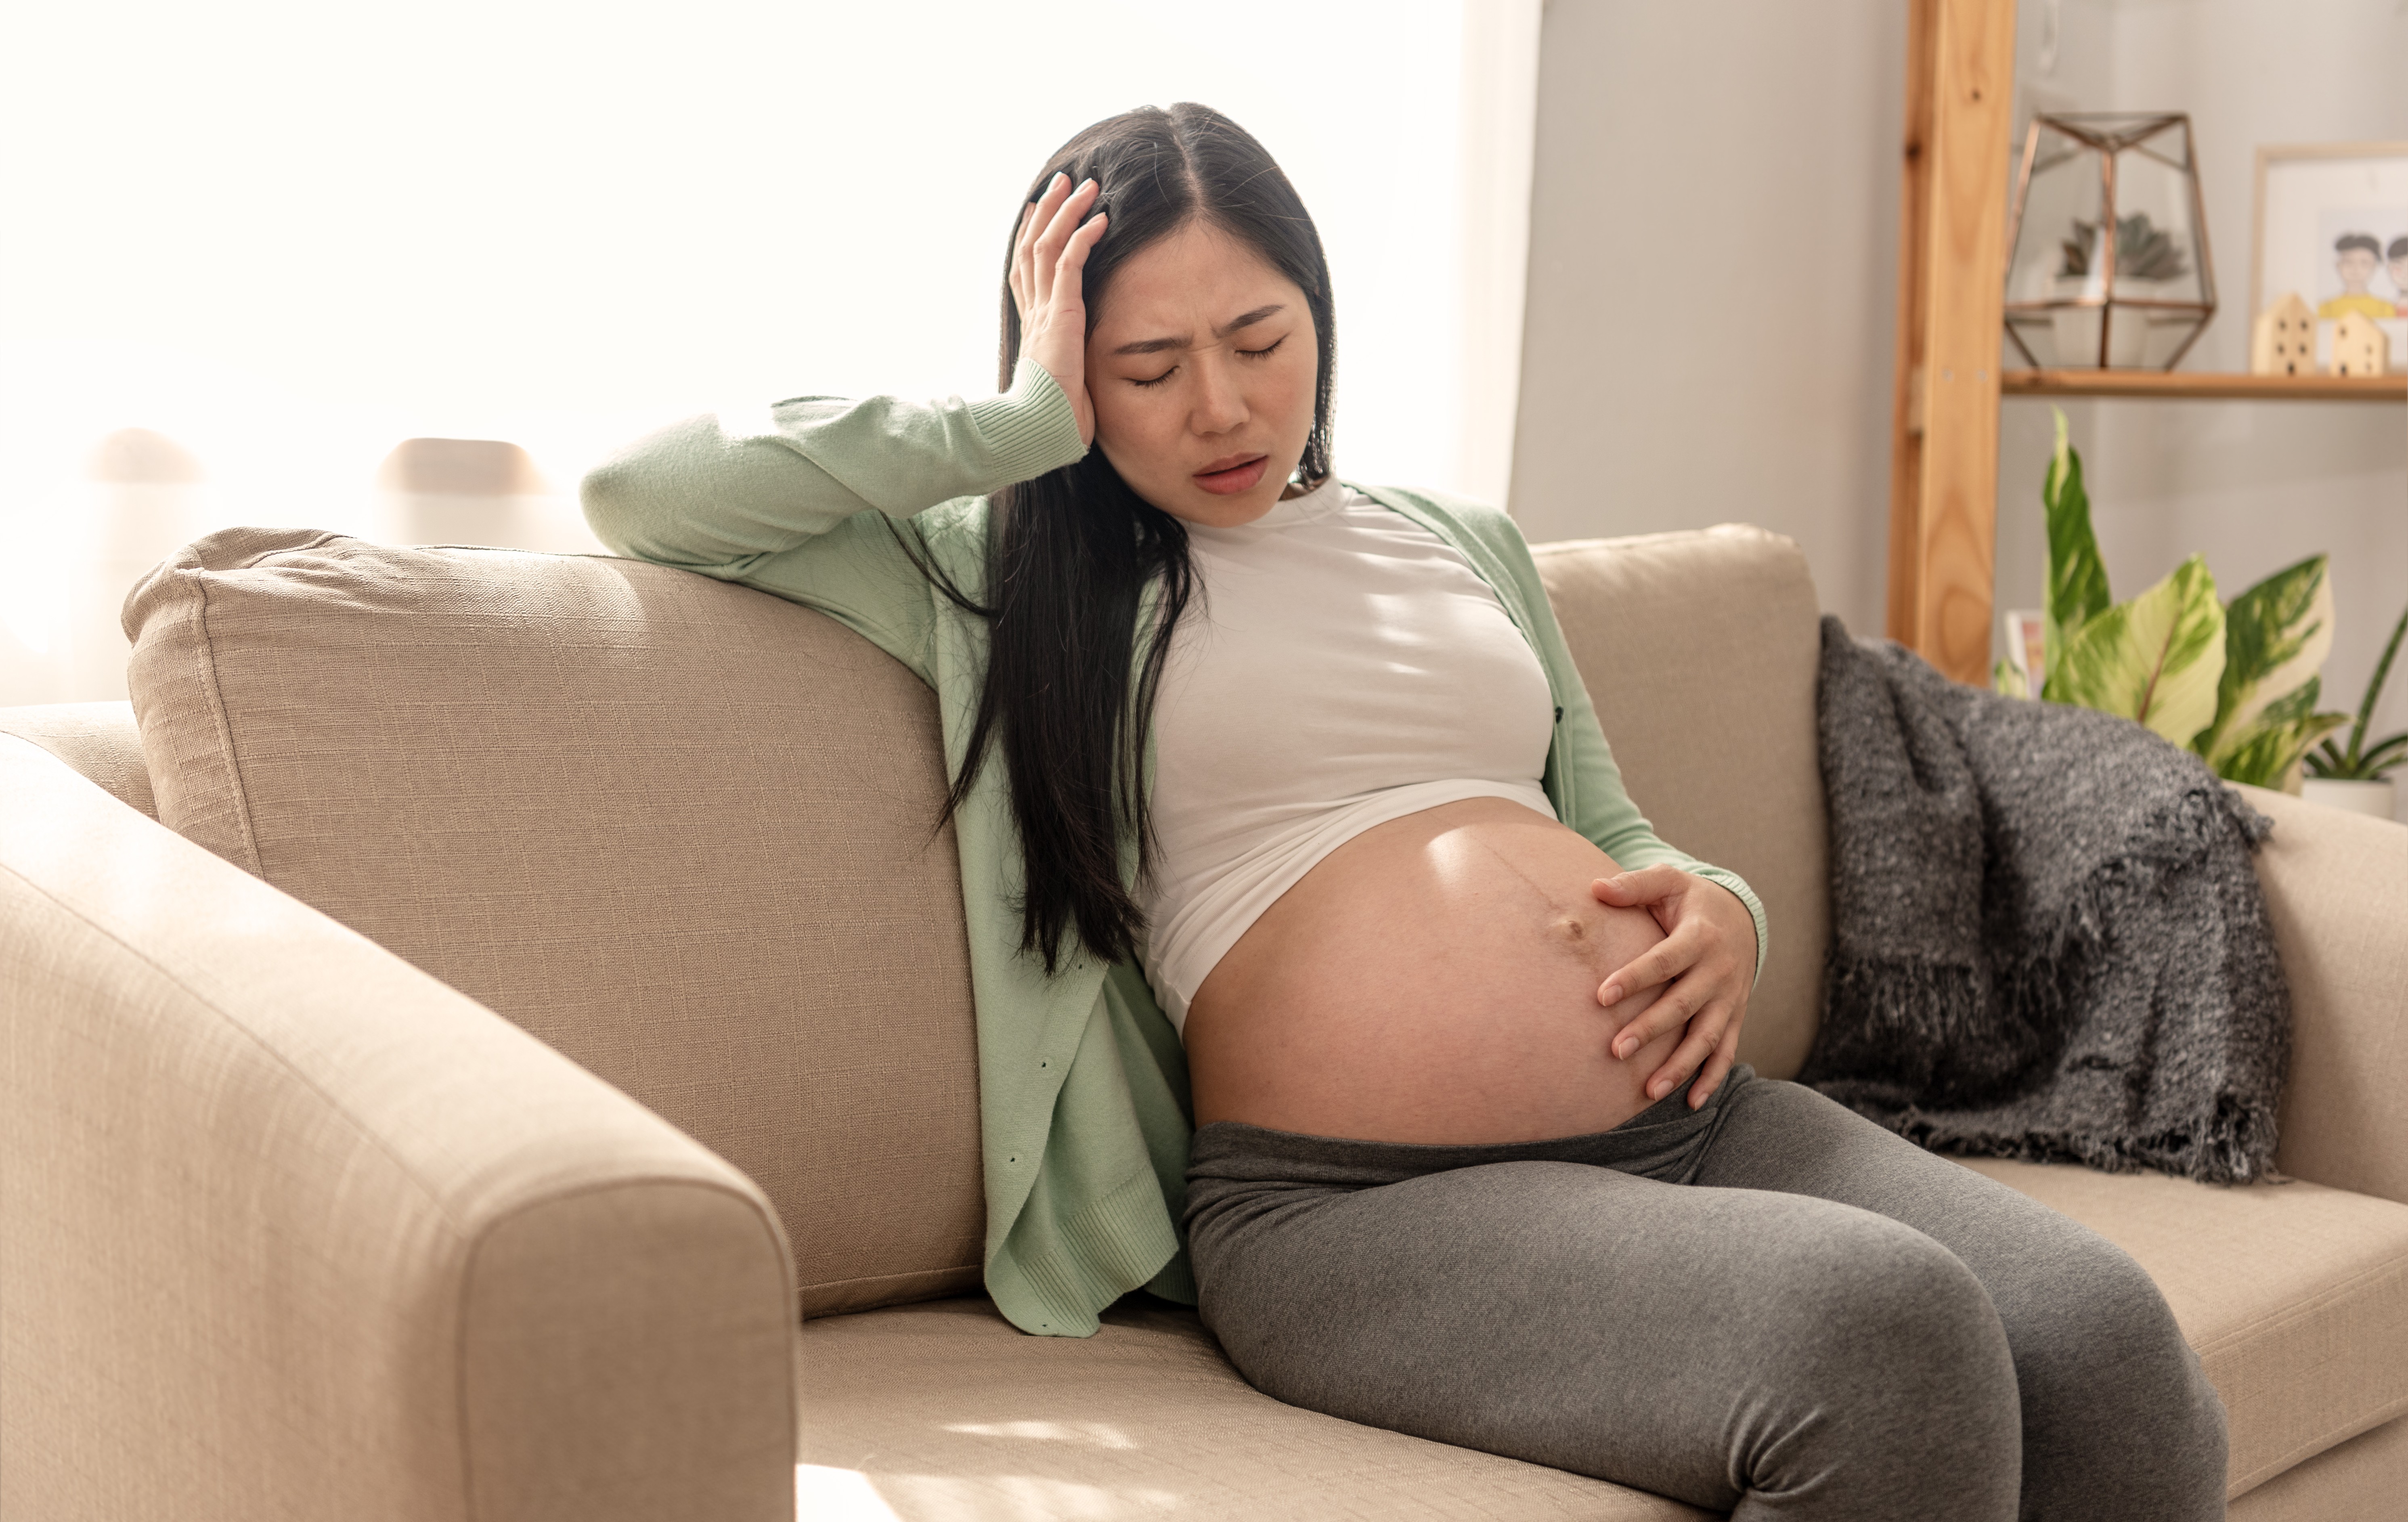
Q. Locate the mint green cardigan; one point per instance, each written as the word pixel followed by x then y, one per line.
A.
pixel 1082 1085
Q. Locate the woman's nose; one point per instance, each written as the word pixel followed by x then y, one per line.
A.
pixel 1220 403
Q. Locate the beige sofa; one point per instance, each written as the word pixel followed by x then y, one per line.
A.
pixel 498 1044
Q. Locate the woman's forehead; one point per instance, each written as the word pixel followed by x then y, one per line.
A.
pixel 1197 278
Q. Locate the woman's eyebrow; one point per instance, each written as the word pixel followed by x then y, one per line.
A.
pixel 1155 346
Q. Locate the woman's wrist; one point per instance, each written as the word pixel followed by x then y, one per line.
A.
pixel 1747 906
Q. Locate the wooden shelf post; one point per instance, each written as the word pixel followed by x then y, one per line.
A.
pixel 1950 279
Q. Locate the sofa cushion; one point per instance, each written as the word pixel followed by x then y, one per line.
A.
pixel 1700 650
pixel 2359 1478
pixel 679 830
pixel 2296 1296
pixel 2337 892
pixel 942 1410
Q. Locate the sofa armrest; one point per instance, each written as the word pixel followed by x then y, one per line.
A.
pixel 290 1228
pixel 98 740
pixel 2337 888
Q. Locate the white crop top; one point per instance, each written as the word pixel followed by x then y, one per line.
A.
pixel 1342 668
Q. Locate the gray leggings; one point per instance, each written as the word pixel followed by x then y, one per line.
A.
pixel 1769 1306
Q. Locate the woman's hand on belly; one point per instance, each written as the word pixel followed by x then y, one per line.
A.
pixel 1436 979
pixel 1699 975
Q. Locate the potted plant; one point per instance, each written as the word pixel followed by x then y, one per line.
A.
pixel 2357 776
pixel 2146 260
pixel 2236 682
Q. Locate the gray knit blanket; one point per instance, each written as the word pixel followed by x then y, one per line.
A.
pixel 2047 938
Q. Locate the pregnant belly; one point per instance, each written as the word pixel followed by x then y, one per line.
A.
pixel 1433 979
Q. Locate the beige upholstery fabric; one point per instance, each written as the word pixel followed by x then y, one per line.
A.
pixel 2295 1297
pixel 2337 887
pixel 98 740
pixel 2363 1479
pixel 1701 651
pixel 288 1229
pixel 678 829
pixel 950 1416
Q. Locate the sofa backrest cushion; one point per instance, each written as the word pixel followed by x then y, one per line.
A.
pixel 679 830
pixel 1700 650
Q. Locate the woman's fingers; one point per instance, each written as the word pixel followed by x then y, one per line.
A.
pixel 1717 1068
pixel 1033 222
pixel 1669 1012
pixel 1018 280
pixel 1647 886
pixel 1062 222
pixel 1705 1035
pixel 1070 267
pixel 1661 963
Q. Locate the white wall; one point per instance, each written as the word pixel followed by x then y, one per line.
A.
pixel 2254 485
pixel 1709 309
pixel 290 235
pixel 1712 248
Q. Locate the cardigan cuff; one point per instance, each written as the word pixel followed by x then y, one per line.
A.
pixel 1745 895
pixel 1031 427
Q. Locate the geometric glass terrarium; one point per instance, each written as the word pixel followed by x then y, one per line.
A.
pixel 2107 259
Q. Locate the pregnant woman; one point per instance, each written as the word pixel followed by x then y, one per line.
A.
pixel 1282 809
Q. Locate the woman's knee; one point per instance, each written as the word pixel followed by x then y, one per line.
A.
pixel 2094 1319
pixel 2096 1305
pixel 1871 1291
pixel 1896 1368
pixel 2114 1397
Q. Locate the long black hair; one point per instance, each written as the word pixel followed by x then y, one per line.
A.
pixel 1069 554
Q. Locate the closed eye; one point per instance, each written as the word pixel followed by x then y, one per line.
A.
pixel 1264 352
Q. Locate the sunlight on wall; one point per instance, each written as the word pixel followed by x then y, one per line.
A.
pixel 288 237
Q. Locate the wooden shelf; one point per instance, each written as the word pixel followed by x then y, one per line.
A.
pixel 1946 383
pixel 2205 384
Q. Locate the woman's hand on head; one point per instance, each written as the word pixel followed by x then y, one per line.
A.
pixel 1705 964
pixel 1049 261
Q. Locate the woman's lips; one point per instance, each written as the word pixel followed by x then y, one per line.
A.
pixel 1227 478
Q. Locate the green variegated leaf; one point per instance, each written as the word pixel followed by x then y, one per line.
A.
pixel 2008 678
pixel 2264 758
pixel 2277 636
pixel 2155 659
pixel 2077 576
pixel 2264 753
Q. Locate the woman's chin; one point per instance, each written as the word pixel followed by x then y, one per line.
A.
pixel 1225 511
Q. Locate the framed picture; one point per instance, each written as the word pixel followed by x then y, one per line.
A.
pixel 2331 224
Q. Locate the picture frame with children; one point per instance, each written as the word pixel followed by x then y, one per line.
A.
pixel 2331 224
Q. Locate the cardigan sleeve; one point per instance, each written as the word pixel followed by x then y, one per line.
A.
pixel 794 499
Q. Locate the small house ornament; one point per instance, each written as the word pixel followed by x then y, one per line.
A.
pixel 2283 340
pixel 2359 347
